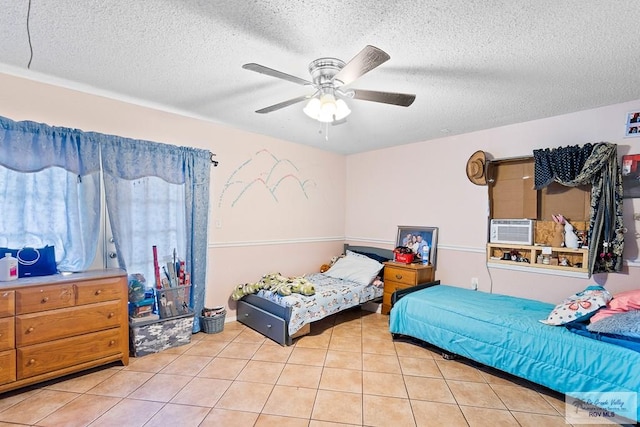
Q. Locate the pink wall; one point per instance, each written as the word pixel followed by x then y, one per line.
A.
pixel 292 225
pixel 253 231
pixel 425 184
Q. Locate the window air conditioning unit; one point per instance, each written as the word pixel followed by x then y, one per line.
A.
pixel 516 231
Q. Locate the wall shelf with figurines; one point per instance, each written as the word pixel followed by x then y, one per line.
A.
pixel 549 253
pixel 539 256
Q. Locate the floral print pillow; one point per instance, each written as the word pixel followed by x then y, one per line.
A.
pixel 579 307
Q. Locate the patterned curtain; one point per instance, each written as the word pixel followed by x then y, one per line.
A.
pixel 596 165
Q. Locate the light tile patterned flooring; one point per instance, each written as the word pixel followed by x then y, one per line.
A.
pixel 348 371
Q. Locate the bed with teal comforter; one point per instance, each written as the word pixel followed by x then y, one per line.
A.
pixel 505 332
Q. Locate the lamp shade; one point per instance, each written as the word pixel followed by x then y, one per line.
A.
pixel 312 109
pixel 342 110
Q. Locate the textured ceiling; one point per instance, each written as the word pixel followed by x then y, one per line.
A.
pixel 472 64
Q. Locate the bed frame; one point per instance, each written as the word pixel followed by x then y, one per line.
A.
pixel 272 320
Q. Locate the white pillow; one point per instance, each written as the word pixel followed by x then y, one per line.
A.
pixel 356 268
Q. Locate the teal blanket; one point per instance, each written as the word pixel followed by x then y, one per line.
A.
pixel 505 333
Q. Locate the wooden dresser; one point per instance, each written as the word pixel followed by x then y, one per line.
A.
pixel 398 275
pixel 52 326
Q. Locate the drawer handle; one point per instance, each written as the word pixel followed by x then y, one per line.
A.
pixel 398 276
pixel 110 315
pixel 112 342
pixel 246 315
pixel 98 292
pixel 45 299
pixel 31 362
pixel 31 329
pixel 269 326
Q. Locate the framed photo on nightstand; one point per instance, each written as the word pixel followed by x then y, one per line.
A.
pixel 415 238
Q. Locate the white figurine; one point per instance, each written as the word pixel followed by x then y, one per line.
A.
pixel 570 236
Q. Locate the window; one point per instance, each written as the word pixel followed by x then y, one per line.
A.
pixel 49 191
pixel 51 178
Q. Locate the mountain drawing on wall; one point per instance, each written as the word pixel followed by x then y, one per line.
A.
pixel 263 171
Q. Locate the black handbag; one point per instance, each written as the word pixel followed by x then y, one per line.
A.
pixel 34 262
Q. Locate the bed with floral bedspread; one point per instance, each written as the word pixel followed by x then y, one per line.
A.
pixel 279 316
pixel 331 296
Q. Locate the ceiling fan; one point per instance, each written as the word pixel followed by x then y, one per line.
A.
pixel 329 76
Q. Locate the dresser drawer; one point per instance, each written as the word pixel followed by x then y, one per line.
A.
pixel 67 322
pixel 46 357
pixel 7 303
pixel 7 333
pixel 7 366
pixel 400 275
pixel 101 290
pixel 390 288
pixel 32 300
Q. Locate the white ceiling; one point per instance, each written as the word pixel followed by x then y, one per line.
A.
pixel 473 64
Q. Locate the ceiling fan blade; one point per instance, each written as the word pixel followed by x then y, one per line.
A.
pixel 282 104
pixel 401 99
pixel 368 59
pixel 275 73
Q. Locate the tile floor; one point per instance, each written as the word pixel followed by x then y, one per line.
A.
pixel 348 371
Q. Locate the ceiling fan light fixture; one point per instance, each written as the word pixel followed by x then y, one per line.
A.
pixel 326 108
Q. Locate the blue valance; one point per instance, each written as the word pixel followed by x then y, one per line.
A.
pixel 561 164
pixel 31 147
pixel 130 159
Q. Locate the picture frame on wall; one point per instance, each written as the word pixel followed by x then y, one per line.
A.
pixel 416 237
pixel 632 127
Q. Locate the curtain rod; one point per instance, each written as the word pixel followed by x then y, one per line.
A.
pixel 511 159
pixel 214 162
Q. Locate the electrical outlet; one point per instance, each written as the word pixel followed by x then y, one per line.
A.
pixel 474 283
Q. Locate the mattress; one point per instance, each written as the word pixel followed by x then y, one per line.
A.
pixel 506 333
pixel 331 296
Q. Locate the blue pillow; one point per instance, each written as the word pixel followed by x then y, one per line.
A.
pixel 627 323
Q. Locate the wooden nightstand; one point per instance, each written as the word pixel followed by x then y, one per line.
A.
pixel 398 275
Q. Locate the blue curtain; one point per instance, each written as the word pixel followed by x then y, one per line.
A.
pixel 158 194
pixel 59 169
